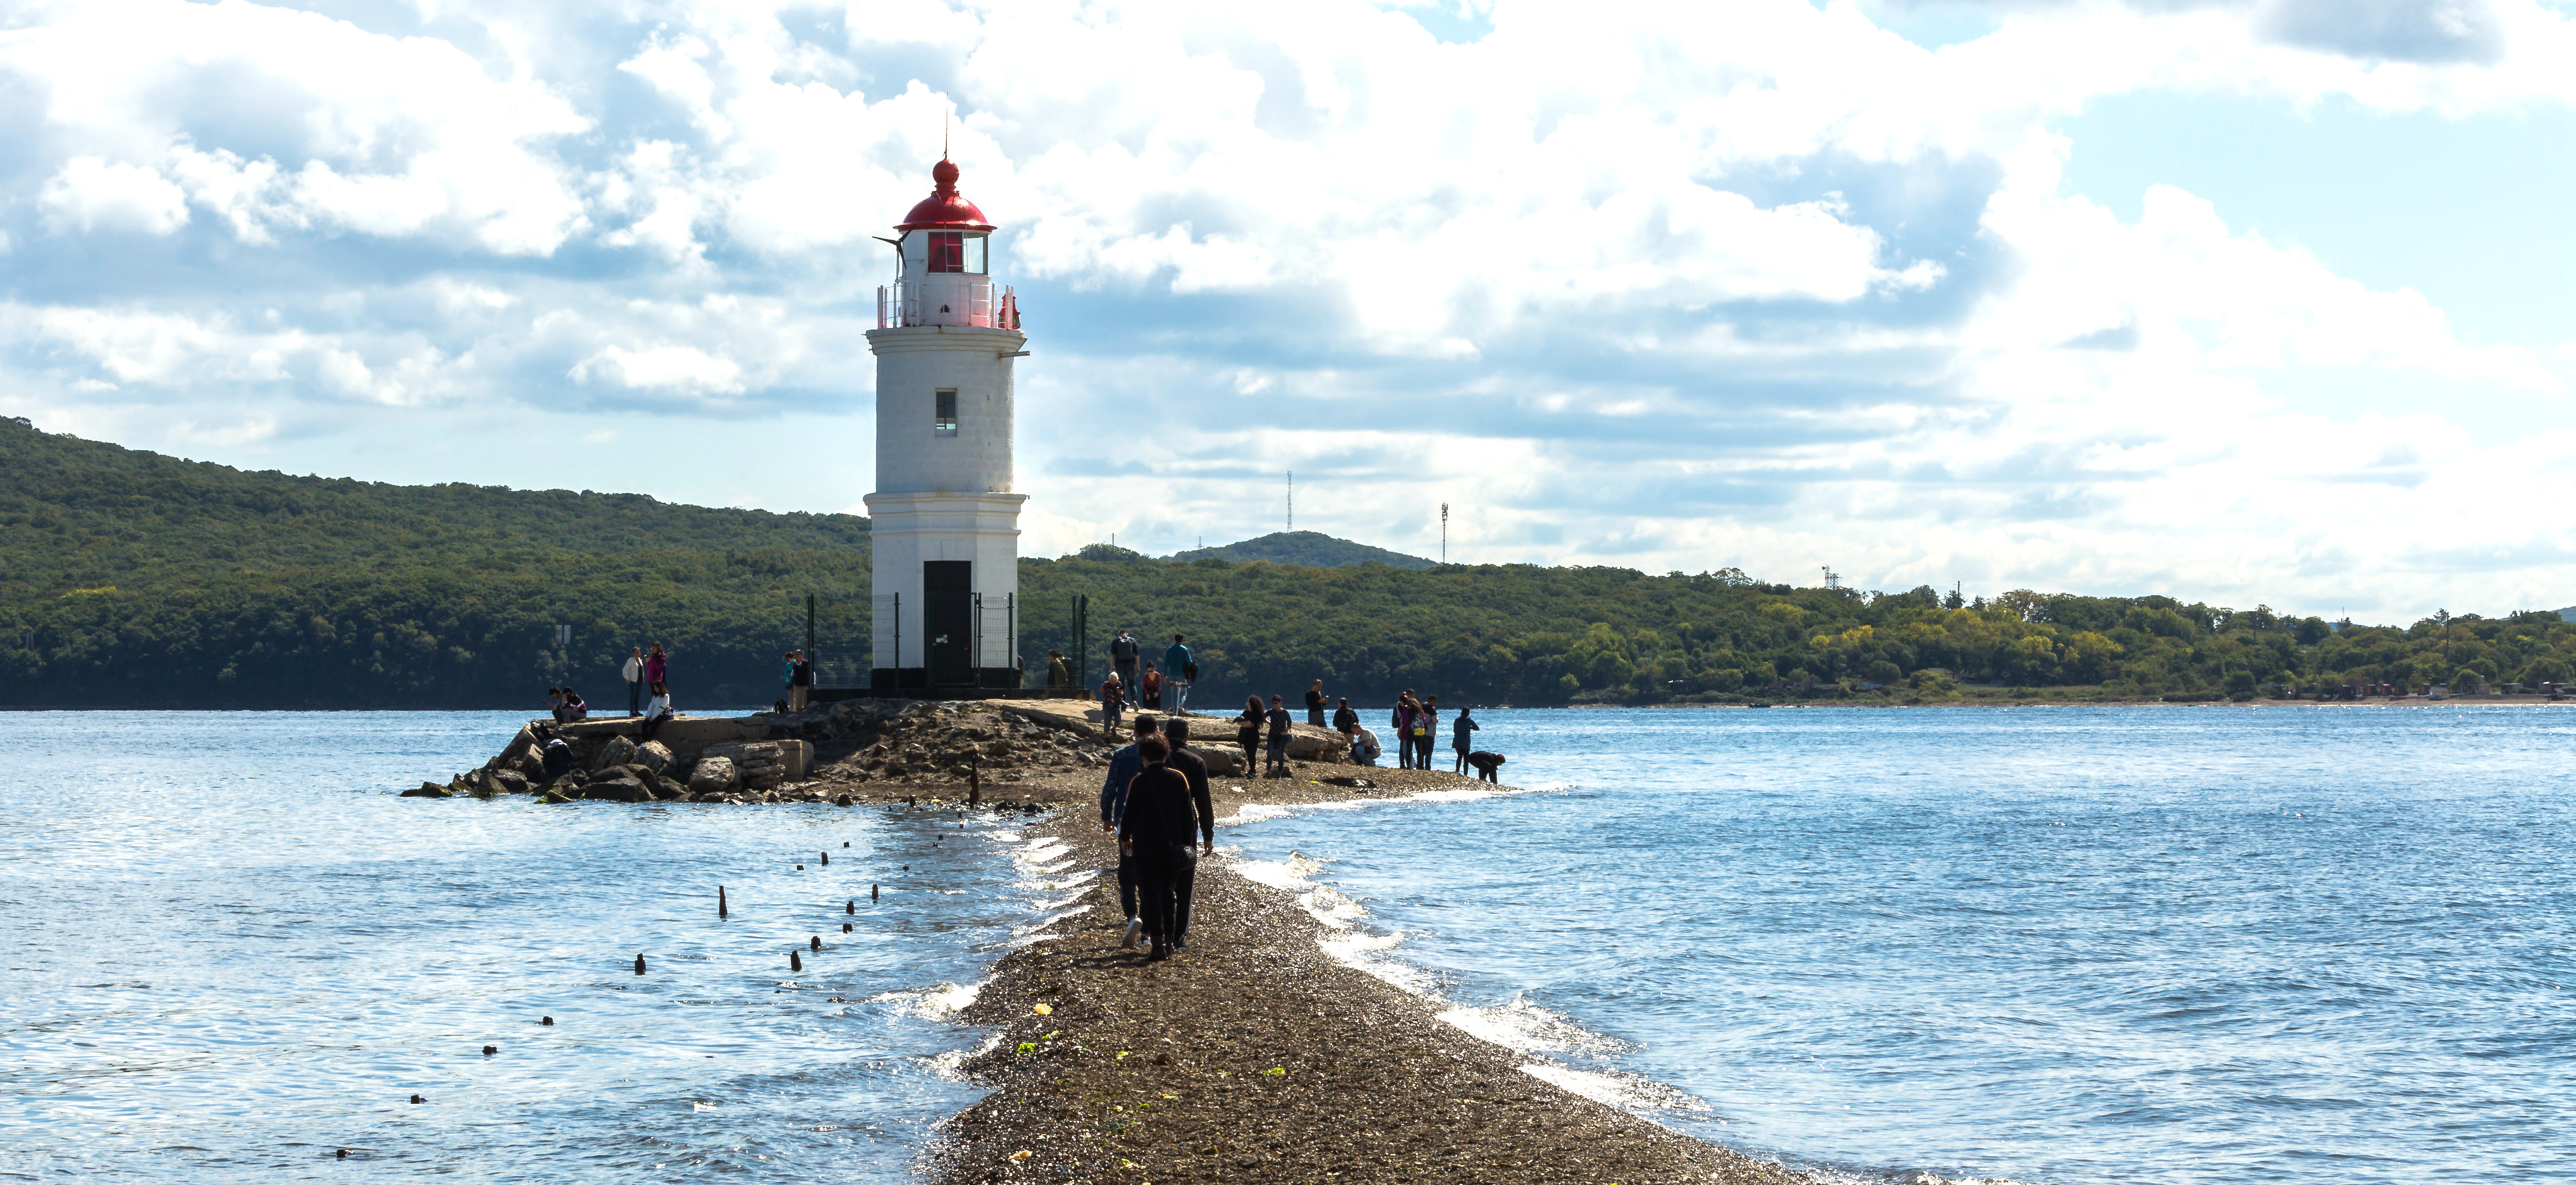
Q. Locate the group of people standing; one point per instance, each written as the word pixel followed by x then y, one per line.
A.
pixel 1155 688
pixel 1156 800
pixel 1416 723
pixel 648 675
pixel 797 672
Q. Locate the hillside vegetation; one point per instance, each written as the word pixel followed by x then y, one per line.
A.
pixel 144 580
pixel 130 579
pixel 1530 635
pixel 1312 549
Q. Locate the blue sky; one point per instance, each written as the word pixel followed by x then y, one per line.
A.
pixel 2246 300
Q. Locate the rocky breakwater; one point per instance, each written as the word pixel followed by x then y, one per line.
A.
pixel 859 750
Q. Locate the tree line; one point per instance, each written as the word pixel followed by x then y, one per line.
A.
pixel 133 580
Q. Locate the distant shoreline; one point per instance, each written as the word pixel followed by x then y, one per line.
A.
pixel 2412 701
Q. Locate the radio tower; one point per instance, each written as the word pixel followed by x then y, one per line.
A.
pixel 1832 580
pixel 1444 532
pixel 1292 500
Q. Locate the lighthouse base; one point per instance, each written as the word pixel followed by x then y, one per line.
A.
pixel 945 570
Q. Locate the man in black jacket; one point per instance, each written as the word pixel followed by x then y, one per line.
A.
pixel 1176 732
pixel 1156 828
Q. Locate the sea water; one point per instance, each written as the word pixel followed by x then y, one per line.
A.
pixel 230 952
pixel 2055 945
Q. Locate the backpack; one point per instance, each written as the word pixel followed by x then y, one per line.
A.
pixel 1190 671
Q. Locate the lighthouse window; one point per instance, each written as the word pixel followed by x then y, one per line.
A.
pixel 943 414
pixel 956 251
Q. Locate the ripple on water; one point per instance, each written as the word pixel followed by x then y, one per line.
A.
pixel 217 977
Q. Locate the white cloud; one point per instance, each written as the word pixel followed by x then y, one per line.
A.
pixel 92 194
pixel 684 370
pixel 1664 284
pixel 359 131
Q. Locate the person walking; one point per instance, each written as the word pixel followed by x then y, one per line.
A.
pixel 1405 710
pixel 1155 830
pixel 1153 695
pixel 1280 721
pixel 1315 704
pixel 634 672
pixel 1458 730
pixel 1426 727
pixel 1059 673
pixel 1124 765
pixel 1247 733
pixel 800 682
pixel 1344 719
pixel 1122 657
pixel 1179 671
pixel 1176 732
pixel 1113 704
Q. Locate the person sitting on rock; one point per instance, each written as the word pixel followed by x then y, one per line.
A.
pixel 554 704
pixel 657 712
pixel 1153 689
pixel 573 707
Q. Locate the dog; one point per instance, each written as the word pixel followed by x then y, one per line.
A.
pixel 1485 765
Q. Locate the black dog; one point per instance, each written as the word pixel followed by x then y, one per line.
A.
pixel 1486 764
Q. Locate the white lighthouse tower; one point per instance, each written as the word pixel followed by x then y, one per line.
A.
pixel 946 527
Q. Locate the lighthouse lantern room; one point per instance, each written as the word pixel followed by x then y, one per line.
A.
pixel 945 522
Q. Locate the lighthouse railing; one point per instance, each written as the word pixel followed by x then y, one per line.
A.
pixel 905 303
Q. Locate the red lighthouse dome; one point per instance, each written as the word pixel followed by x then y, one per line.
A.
pixel 945 208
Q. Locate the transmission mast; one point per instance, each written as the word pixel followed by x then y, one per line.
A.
pixel 1444 532
pixel 1832 580
pixel 1292 500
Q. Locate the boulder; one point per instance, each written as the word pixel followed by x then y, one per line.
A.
pixel 1221 762
pixel 668 790
pixel 509 781
pixel 654 756
pixel 617 790
pixel 1307 746
pixel 714 775
pixel 761 764
pixel 426 790
pixel 617 751
pixel 559 794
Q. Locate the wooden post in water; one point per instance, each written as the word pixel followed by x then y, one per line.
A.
pixel 720 902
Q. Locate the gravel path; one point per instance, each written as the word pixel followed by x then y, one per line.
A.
pixel 1253 1056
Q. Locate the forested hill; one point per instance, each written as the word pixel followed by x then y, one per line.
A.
pixel 1311 549
pixel 112 513
pixel 144 580
pixel 134 580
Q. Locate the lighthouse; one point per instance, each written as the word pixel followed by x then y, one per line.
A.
pixel 945 522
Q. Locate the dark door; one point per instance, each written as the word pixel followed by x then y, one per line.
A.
pixel 948 621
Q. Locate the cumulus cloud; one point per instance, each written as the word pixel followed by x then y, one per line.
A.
pixel 1764 284
pixel 93 194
